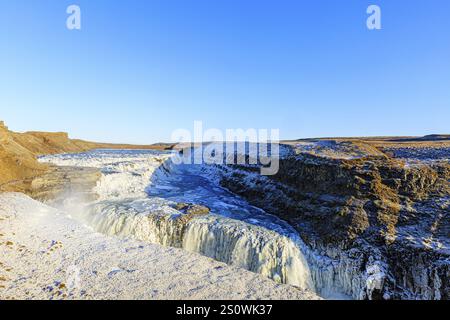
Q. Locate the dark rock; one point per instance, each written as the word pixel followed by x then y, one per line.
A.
pixel 365 205
pixel 192 209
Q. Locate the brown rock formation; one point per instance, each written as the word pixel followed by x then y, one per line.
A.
pixel 356 205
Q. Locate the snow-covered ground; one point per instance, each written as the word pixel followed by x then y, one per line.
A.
pixel 45 254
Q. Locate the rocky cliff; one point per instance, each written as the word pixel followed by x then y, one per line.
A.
pixel 382 221
pixel 17 162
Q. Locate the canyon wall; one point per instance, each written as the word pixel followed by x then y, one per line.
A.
pixel 384 222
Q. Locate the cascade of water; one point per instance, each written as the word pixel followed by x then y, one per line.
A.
pixel 231 241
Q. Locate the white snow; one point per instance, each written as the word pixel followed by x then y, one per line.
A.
pixel 44 254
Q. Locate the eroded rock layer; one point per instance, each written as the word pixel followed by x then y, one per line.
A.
pixel 382 221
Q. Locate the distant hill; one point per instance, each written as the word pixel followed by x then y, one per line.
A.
pixel 435 137
pixel 430 138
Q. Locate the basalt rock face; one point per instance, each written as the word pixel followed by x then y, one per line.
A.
pixel 359 211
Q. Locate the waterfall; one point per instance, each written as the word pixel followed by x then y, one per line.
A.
pixel 233 242
pixel 234 232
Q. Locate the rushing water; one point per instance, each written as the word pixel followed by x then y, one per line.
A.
pixel 137 194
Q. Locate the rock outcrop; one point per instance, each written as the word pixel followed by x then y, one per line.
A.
pixel 383 221
pixel 63 184
pixel 17 163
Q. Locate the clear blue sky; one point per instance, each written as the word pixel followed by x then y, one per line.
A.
pixel 140 69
